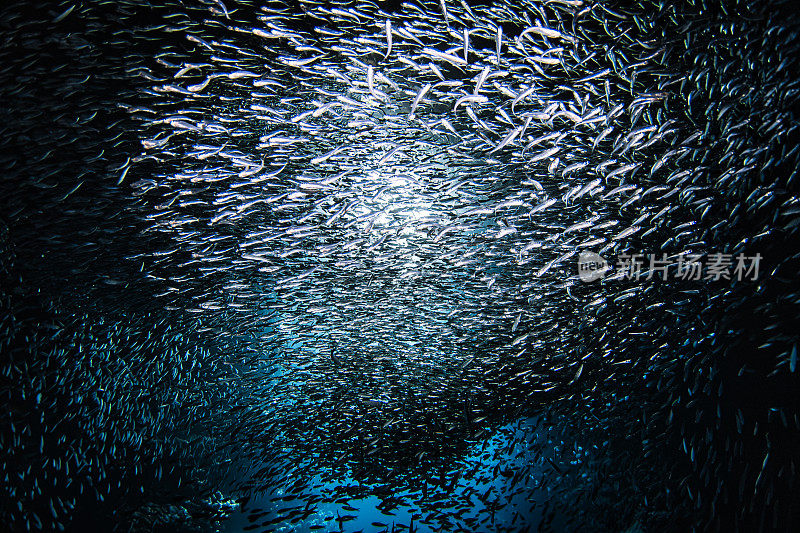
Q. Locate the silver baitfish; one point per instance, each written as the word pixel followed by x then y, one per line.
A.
pixel 312 266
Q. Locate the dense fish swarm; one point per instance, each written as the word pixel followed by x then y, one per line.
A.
pixel 262 248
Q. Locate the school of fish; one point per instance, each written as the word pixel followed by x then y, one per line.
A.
pixel 250 250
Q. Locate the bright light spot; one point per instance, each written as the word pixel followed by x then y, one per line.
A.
pixel 397 206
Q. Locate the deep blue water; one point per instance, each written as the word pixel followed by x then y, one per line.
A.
pixel 506 447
